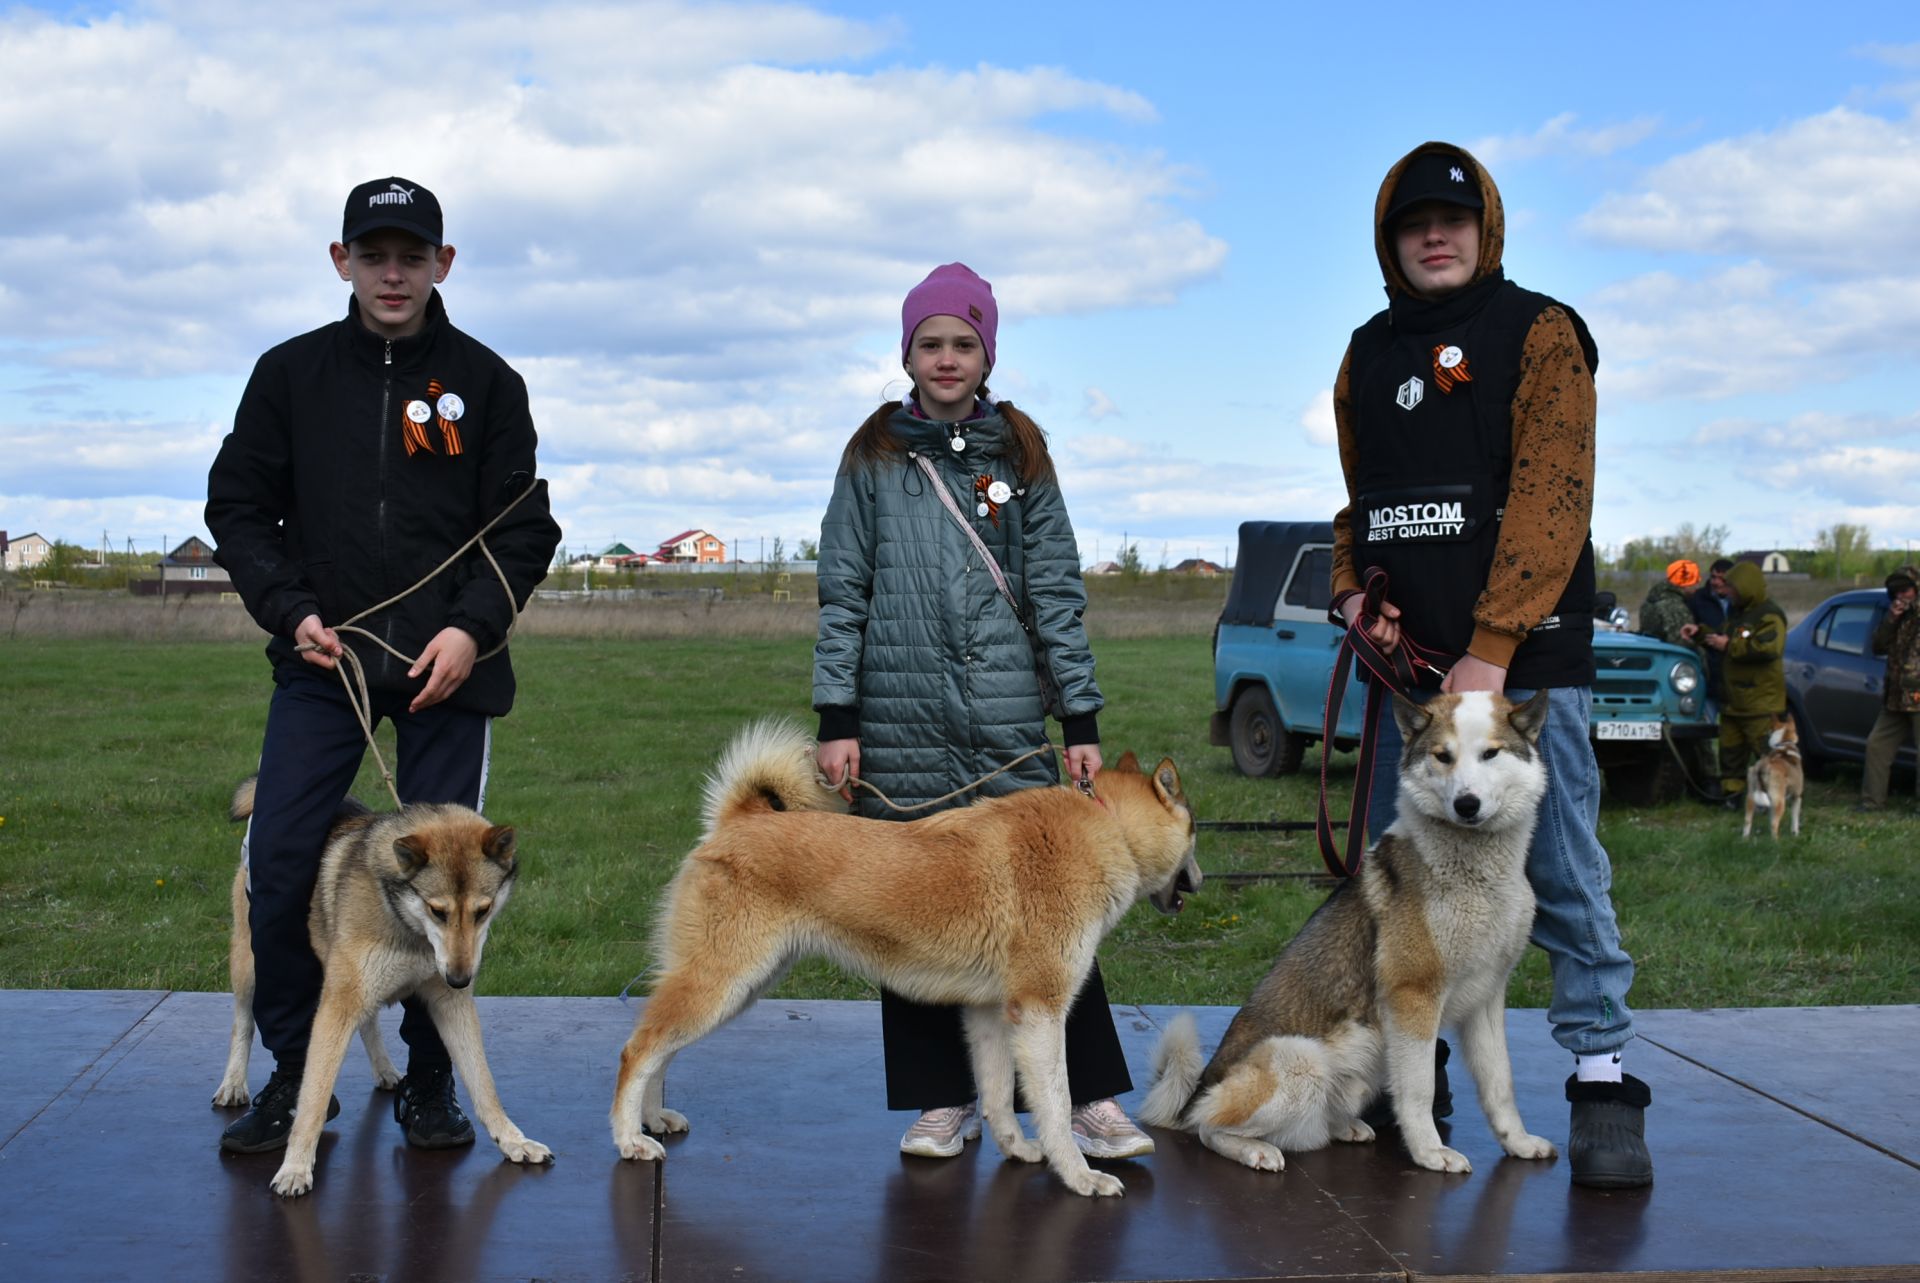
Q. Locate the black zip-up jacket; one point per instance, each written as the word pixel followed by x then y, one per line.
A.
pixel 329 497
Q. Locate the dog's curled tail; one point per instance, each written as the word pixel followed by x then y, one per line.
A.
pixel 1177 1066
pixel 242 806
pixel 769 766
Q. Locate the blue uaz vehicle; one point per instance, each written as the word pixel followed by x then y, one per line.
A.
pixel 1273 652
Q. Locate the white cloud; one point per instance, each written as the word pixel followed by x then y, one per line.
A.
pixel 1834 192
pixel 1560 137
pixel 1318 421
pixel 1099 406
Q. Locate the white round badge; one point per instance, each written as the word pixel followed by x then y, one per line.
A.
pixel 450 406
pixel 999 492
pixel 982 509
pixel 958 444
pixel 419 411
pixel 1450 356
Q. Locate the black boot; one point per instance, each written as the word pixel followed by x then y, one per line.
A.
pixel 265 1126
pixel 425 1106
pixel 1380 1113
pixel 1606 1138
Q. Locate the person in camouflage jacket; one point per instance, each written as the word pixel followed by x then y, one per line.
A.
pixel 1754 643
pixel 1898 638
pixel 1665 614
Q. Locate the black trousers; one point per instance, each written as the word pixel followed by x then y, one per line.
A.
pixel 312 751
pixel 928 1065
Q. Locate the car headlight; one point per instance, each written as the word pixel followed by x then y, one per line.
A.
pixel 1685 678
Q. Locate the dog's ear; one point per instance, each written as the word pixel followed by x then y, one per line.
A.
pixel 1166 782
pixel 499 845
pixel 1128 763
pixel 412 852
pixel 1409 716
pixel 1530 718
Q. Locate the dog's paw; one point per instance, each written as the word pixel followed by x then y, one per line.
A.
pixel 1262 1157
pixel 1354 1133
pixel 1021 1149
pixel 291 1181
pixel 667 1120
pixel 1441 1158
pixel 521 1149
pixel 640 1146
pixel 231 1094
pixel 387 1079
pixel 1098 1184
pixel 1527 1145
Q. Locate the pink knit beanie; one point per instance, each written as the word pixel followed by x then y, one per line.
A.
pixel 952 290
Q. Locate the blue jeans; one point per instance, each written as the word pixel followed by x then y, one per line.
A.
pixel 1571 875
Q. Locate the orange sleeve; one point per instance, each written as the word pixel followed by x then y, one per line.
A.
pixel 1344 575
pixel 1549 494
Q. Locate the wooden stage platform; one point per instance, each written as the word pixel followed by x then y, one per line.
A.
pixel 1786 1144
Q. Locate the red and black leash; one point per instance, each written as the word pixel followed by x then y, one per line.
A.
pixel 1391 671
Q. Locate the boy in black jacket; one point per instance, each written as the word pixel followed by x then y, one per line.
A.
pixel 362 455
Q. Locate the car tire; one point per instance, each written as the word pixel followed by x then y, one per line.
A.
pixel 1261 745
pixel 1646 781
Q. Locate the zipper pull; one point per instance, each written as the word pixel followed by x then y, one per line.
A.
pixel 389 360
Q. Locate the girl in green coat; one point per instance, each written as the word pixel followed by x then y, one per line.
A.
pixel 925 679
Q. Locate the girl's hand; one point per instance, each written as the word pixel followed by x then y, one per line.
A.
pixel 840 762
pixel 1083 762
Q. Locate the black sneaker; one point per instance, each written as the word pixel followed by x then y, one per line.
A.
pixel 424 1105
pixel 1606 1139
pixel 265 1126
pixel 1380 1113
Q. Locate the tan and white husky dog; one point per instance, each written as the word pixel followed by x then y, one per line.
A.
pixel 997 907
pixel 403 906
pixel 1778 778
pixel 1423 939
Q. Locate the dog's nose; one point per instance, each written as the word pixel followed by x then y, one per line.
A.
pixel 1466 806
pixel 456 980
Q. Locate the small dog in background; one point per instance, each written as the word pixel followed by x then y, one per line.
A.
pixel 1777 778
pixel 402 906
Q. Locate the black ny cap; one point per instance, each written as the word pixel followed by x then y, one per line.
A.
pixel 1435 175
pixel 391 202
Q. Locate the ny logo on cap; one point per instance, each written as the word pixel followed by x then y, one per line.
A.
pixel 1457 175
pixel 1410 393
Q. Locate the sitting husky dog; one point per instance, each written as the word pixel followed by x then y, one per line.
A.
pixel 1424 938
pixel 403 905
pixel 1777 779
pixel 1030 883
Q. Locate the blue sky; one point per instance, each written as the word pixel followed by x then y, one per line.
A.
pixel 690 227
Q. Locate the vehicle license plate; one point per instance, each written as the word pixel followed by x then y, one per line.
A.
pixel 1626 731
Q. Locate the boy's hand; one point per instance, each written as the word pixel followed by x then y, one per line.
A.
pixel 325 642
pixel 450 655
pixel 1386 629
pixel 840 762
pixel 1470 674
pixel 1716 640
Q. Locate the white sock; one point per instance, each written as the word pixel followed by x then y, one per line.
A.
pixel 1603 1068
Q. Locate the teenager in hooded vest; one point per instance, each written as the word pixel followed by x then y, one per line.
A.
pixel 1465 414
pixel 925 679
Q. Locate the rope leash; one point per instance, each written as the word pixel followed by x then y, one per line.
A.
pixel 1084 784
pixel 353 673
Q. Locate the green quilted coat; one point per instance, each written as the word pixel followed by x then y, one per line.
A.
pixel 1756 640
pixel 915 637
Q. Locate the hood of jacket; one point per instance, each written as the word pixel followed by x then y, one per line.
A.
pixel 987 437
pixel 1749 585
pixel 1493 222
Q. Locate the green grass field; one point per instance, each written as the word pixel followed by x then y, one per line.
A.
pixel 117 759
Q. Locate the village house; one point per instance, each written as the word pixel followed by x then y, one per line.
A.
pixel 26 552
pixel 186 571
pixel 692 547
pixel 1198 566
